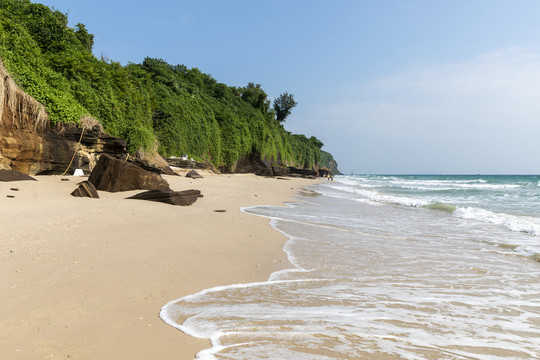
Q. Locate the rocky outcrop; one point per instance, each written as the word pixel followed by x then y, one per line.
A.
pixel 180 198
pixel 255 163
pixel 31 145
pixel 307 173
pixel 115 175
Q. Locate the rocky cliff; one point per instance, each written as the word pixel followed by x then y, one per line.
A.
pixel 30 144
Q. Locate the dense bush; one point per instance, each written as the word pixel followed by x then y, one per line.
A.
pixel 152 105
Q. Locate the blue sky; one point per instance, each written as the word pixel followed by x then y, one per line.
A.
pixel 389 86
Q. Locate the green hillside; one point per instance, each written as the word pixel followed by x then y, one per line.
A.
pixel 153 105
pixel 327 161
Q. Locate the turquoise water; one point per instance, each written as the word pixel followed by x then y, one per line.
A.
pixel 388 267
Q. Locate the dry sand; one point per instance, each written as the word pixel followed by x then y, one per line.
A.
pixel 85 278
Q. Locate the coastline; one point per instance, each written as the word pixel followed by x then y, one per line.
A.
pixel 86 278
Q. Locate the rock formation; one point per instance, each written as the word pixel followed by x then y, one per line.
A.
pixel 188 164
pixel 194 175
pixel 115 175
pixel 86 189
pixel 180 198
pixel 13 175
pixel 254 163
pixel 31 145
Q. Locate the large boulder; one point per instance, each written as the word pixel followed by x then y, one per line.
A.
pixel 12 175
pixel 115 175
pixel 180 198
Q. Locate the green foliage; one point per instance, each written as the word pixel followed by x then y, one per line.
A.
pixel 327 161
pixel 283 105
pixel 86 39
pixel 153 104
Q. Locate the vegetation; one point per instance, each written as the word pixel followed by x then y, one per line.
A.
pixel 153 105
pixel 327 161
pixel 283 106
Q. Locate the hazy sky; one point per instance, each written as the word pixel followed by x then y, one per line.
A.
pixel 389 86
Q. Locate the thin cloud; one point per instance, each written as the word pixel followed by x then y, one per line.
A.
pixel 480 115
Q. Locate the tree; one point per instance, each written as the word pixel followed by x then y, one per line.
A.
pixel 255 95
pixel 86 39
pixel 283 105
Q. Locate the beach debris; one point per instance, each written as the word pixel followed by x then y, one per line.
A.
pixel 194 175
pixel 220 211
pixel 115 175
pixel 78 172
pixel 13 175
pixel 168 196
pixel 86 189
pixel 14 189
pixel 10 196
pixel 64 179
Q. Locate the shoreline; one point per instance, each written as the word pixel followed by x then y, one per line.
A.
pixel 86 278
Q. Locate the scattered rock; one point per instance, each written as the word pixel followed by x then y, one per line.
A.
pixel 194 175
pixel 13 175
pixel 14 189
pixel 10 196
pixel 168 196
pixel 115 175
pixel 86 189
pixel 281 178
pixel 64 179
pixel 220 211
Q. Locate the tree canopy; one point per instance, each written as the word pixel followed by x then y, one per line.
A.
pixel 283 105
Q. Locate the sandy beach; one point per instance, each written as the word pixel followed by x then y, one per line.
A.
pixel 85 278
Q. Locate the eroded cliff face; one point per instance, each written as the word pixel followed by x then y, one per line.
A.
pixel 29 144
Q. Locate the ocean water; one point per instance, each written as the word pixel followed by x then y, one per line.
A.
pixel 388 267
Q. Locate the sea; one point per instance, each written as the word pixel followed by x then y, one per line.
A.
pixel 387 267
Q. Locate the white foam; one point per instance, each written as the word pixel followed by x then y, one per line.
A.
pixel 524 224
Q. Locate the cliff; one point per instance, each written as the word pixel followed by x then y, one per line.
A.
pixel 30 144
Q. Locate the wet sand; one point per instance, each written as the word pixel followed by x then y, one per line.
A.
pixel 85 278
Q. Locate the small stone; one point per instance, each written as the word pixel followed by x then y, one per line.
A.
pixel 14 189
pixel 220 211
pixel 10 196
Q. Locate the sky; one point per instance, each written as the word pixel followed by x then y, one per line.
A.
pixel 389 86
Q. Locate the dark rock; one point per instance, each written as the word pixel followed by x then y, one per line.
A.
pixel 115 175
pixel 153 163
pixel 13 175
pixel 86 189
pixel 181 198
pixel 220 211
pixel 10 196
pixel 254 163
pixel 64 179
pixel 194 175
pixel 14 189
pixel 308 173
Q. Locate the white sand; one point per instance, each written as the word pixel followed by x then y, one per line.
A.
pixel 85 278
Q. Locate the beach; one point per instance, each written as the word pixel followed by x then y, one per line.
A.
pixel 86 278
